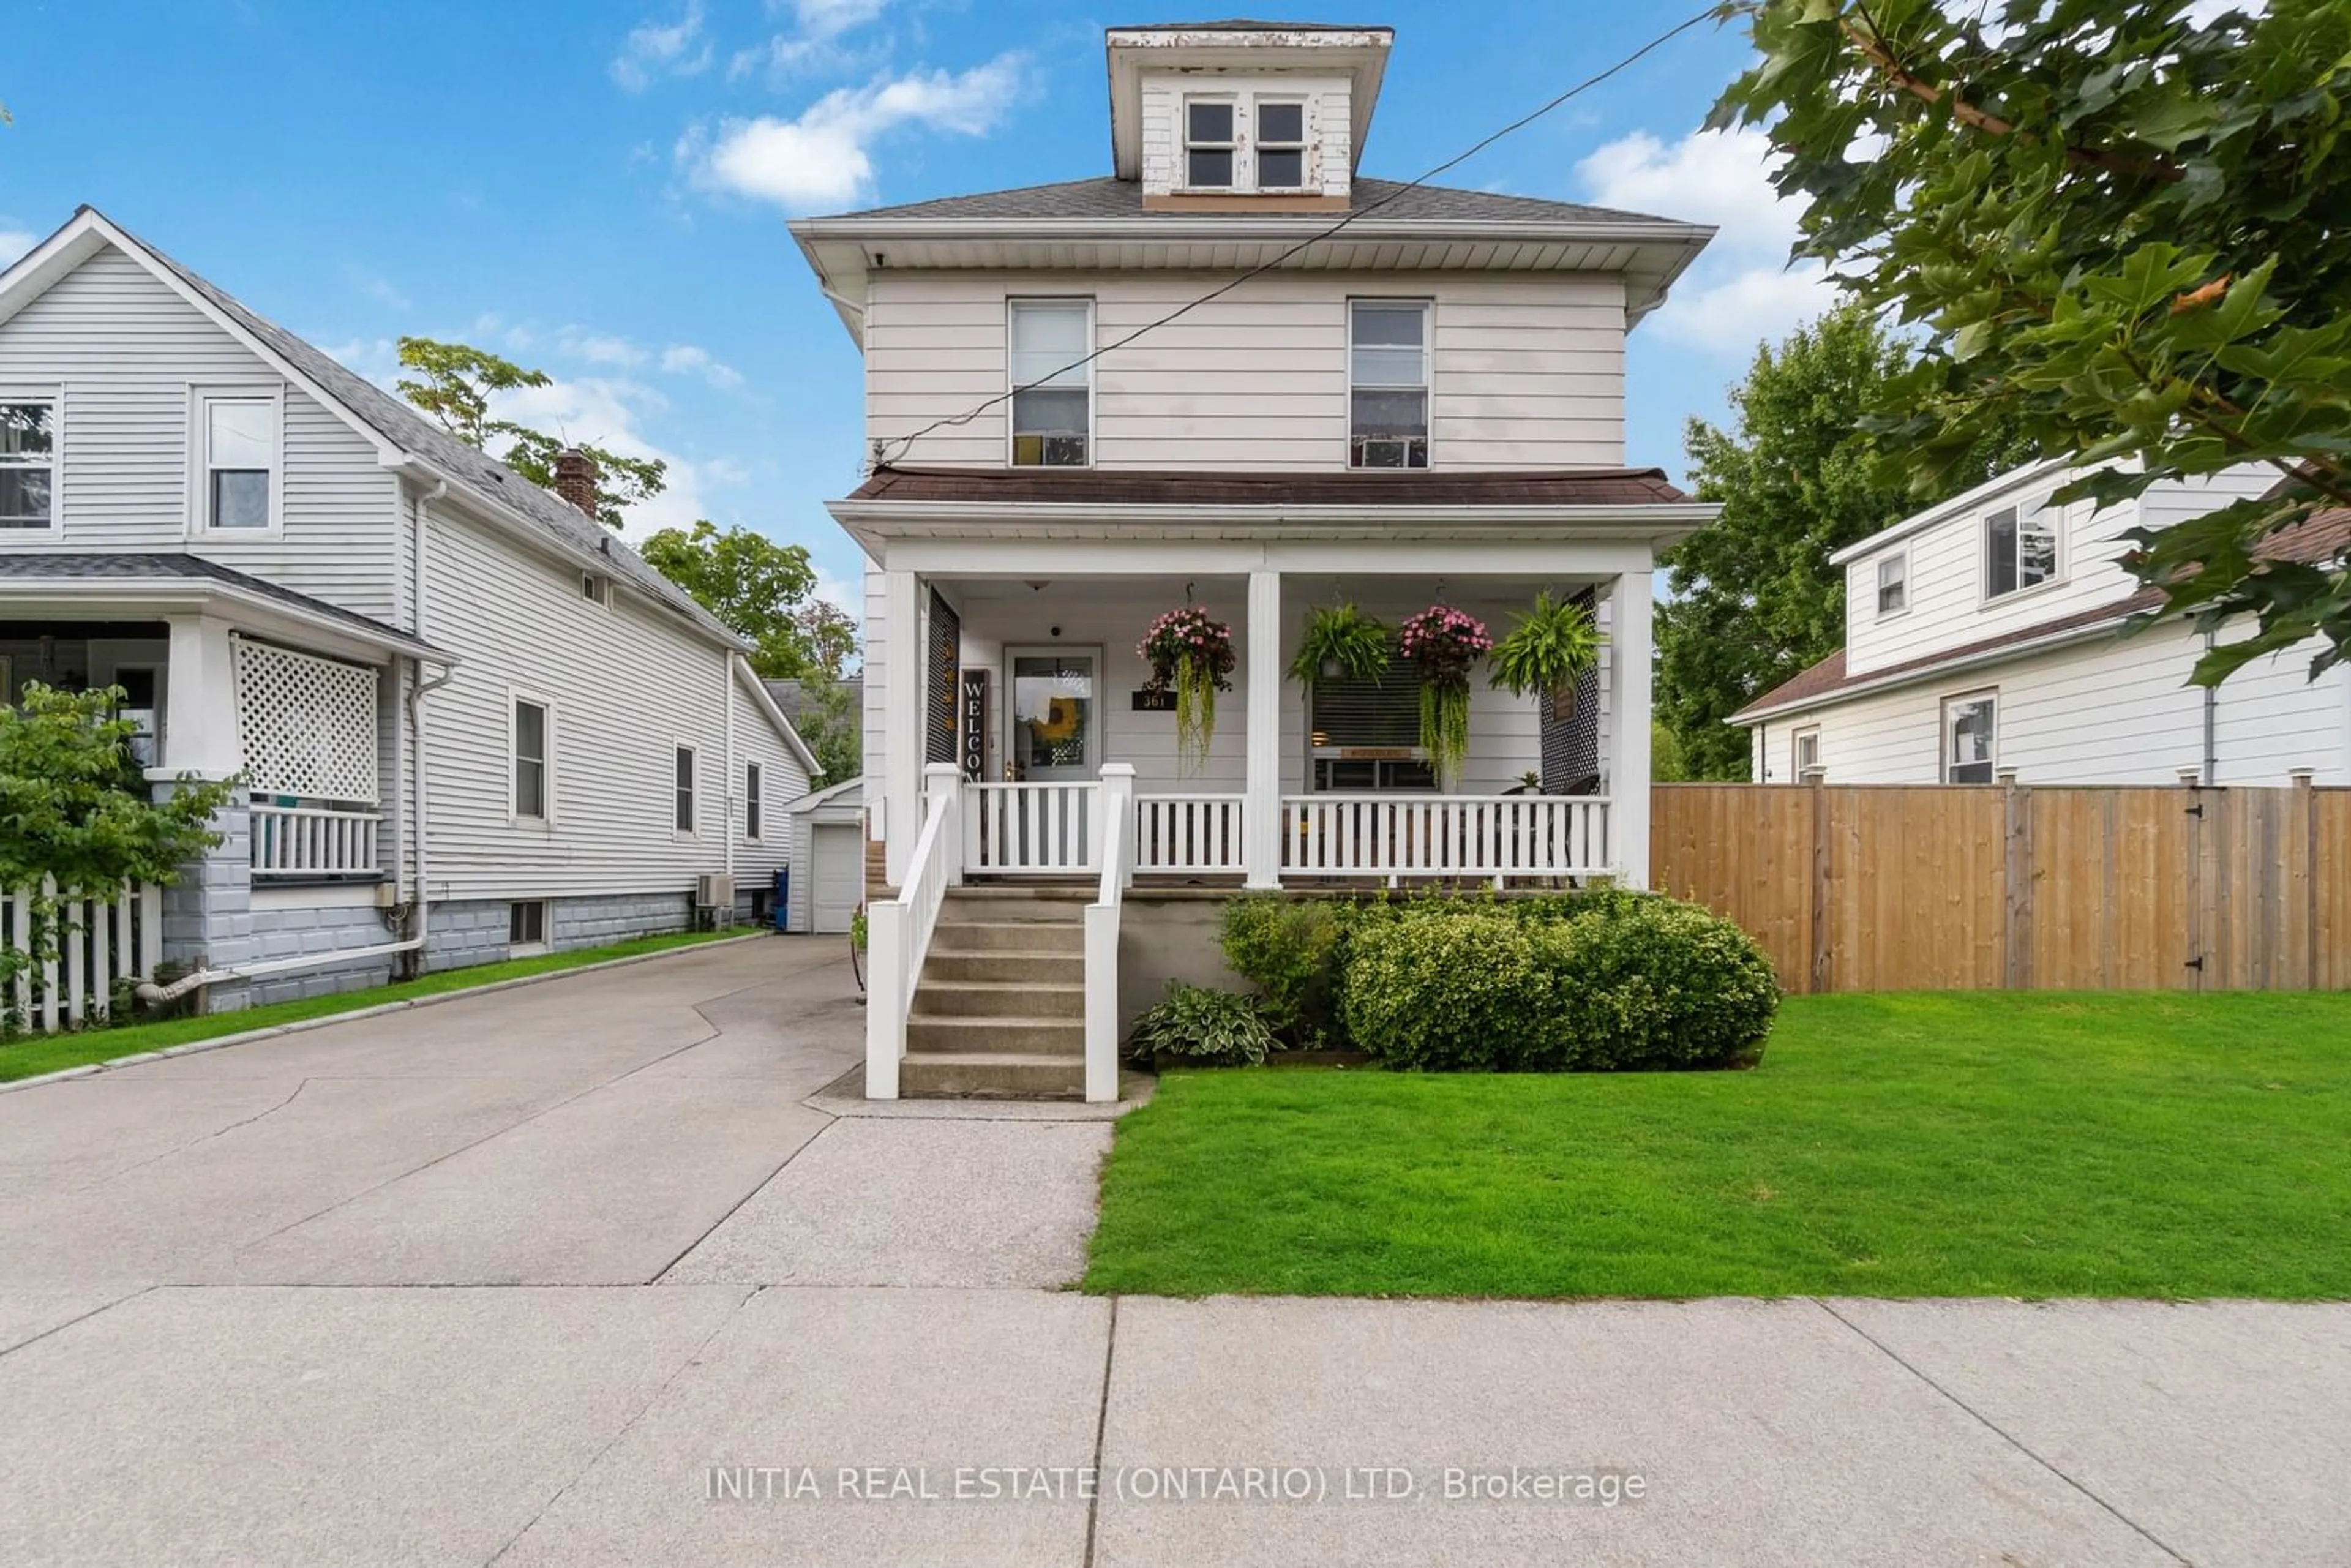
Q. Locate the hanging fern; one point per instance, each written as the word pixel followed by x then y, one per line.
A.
pixel 1354 644
pixel 1550 649
pixel 1192 654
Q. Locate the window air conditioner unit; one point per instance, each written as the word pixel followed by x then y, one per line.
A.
pixel 714 892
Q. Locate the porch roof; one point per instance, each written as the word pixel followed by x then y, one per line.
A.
pixel 152 584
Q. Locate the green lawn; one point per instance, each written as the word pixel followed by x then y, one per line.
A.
pixel 36 1054
pixel 1888 1145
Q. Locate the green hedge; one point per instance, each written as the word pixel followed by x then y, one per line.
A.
pixel 1579 981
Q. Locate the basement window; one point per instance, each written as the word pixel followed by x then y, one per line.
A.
pixel 527 925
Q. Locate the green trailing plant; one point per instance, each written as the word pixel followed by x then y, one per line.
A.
pixel 1191 653
pixel 1341 642
pixel 1446 645
pixel 78 818
pixel 1207 1028
pixel 1553 645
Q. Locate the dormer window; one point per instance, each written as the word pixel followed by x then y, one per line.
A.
pixel 2019 548
pixel 1280 145
pixel 1209 155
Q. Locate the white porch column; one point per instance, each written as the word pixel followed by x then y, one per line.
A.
pixel 1630 605
pixel 901 710
pixel 1262 801
pixel 200 727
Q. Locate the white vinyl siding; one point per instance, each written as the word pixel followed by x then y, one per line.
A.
pixel 2108 712
pixel 627 684
pixel 124 352
pixel 1528 373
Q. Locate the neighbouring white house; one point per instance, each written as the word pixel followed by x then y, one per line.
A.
pixel 1984 640
pixel 1237 373
pixel 469 723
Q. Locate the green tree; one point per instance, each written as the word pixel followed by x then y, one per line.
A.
pixel 1799 476
pixel 75 809
pixel 2120 227
pixel 831 724
pixel 1666 763
pixel 456 384
pixel 757 587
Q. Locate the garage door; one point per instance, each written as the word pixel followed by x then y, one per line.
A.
pixel 840 875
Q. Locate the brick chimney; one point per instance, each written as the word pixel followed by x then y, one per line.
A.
pixel 575 479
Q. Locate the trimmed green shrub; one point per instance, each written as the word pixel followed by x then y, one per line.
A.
pixel 1290 949
pixel 1212 1028
pixel 1660 984
pixel 1459 992
pixel 1631 981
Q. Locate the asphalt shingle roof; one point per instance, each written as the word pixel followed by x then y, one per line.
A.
pixel 104 566
pixel 1106 197
pixel 410 431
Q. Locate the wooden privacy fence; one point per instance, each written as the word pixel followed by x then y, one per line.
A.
pixel 1951 887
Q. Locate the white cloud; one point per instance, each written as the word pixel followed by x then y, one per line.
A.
pixel 654 50
pixel 609 411
pixel 817 42
pixel 1741 289
pixel 598 348
pixel 824 157
pixel 686 359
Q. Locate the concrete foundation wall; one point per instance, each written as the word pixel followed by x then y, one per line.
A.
pixel 1169 935
pixel 286 933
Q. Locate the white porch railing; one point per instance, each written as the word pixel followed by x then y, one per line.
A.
pixel 1396 836
pixel 1102 933
pixel 103 942
pixel 312 841
pixel 1189 834
pixel 898 930
pixel 1032 829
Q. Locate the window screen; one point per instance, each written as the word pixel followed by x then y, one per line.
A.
pixel 1052 391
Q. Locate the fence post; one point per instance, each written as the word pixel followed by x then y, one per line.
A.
pixel 2305 808
pixel 943 796
pixel 1821 868
pixel 2016 925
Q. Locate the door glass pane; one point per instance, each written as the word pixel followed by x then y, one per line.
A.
pixel 1053 714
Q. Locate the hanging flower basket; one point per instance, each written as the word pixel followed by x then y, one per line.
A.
pixel 1190 653
pixel 1446 646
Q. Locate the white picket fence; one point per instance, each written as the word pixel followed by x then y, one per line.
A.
pixel 1485 836
pixel 1193 834
pixel 1048 829
pixel 103 942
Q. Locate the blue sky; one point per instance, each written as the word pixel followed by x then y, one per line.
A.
pixel 599 189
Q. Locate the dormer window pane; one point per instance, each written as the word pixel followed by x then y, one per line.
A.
pixel 1281 146
pixel 1208 144
pixel 1052 386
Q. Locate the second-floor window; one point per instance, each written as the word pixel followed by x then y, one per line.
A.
pixel 2019 548
pixel 1052 382
pixel 1387 383
pixel 684 777
pixel 29 463
pixel 754 809
pixel 1893 585
pixel 239 470
pixel 530 759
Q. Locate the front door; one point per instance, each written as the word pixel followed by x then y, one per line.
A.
pixel 1052 731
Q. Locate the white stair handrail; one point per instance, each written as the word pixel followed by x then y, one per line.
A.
pixel 1101 933
pixel 898 930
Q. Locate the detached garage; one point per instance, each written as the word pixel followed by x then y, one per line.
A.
pixel 829 842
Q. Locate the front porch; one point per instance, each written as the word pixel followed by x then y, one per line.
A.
pixel 1022 747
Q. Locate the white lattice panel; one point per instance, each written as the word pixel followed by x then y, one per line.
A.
pixel 309 724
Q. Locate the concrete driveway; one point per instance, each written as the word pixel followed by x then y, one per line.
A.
pixel 611 1270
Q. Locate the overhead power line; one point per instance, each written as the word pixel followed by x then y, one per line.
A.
pixel 898 446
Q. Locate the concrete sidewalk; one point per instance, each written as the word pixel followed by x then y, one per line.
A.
pixel 610 1270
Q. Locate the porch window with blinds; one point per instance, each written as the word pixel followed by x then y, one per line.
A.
pixel 1366 733
pixel 1052 392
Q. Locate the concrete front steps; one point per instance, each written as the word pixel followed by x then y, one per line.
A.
pixel 999 1009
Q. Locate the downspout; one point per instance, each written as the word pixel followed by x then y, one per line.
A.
pixel 734 774
pixel 2212 725
pixel 420 810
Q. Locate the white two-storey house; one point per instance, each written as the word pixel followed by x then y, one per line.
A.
pixel 1984 640
pixel 466 721
pixel 1233 372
